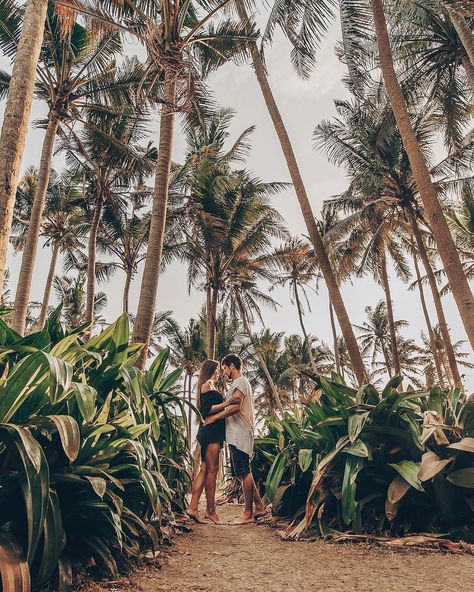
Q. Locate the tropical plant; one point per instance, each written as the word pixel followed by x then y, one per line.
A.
pixel 298 267
pixel 76 72
pixel 363 461
pixel 108 155
pixel 87 439
pixel 62 227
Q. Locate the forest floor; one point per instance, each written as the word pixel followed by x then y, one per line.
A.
pixel 255 558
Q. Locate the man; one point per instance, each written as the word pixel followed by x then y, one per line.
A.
pixel 240 420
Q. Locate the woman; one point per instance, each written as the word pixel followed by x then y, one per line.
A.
pixel 211 438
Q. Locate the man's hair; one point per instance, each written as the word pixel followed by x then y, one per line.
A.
pixel 232 359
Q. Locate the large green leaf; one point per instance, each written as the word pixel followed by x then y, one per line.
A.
pixel 356 424
pixel 33 474
pixel 275 474
pixel 409 471
pixel 349 505
pixel 462 477
pixel 14 572
pixel 305 458
pixel 86 397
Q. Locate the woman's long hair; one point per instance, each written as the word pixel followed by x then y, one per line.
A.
pixel 205 373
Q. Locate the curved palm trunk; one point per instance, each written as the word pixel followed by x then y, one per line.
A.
pixel 391 322
pixel 151 273
pixel 300 190
pixel 261 360
pixel 469 69
pixel 454 371
pixel 305 335
pixel 431 336
pixel 17 115
pixel 213 296
pixel 126 290
pixel 334 339
pixel 91 261
pixel 49 284
pixel 464 31
pixel 437 221
pixel 25 278
pixel 386 357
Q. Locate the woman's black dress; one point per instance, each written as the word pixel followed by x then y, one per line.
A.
pixel 214 432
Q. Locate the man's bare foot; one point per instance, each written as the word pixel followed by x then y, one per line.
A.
pixel 261 513
pixel 194 516
pixel 244 519
pixel 213 516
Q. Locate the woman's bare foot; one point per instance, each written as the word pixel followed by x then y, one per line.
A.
pixel 213 516
pixel 244 519
pixel 194 516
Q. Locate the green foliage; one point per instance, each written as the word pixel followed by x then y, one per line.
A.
pixel 93 452
pixel 389 462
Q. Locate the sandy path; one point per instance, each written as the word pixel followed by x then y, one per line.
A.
pixel 254 558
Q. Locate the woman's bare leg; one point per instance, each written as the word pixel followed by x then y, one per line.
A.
pixel 198 485
pixel 212 462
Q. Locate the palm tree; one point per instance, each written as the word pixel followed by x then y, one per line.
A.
pixel 311 10
pixel 428 194
pixel 374 334
pixel 183 45
pixel 108 155
pixel 229 218
pixel 76 70
pixel 426 353
pixel 61 226
pixel 366 140
pixel 208 163
pixel 25 46
pixel 298 268
pixel 124 235
pixel 70 291
pixel 187 351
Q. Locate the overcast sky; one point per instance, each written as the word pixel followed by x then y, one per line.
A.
pixel 304 104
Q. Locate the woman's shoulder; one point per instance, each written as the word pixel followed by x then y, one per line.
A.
pixel 207 387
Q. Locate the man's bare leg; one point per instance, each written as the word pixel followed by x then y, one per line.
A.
pixel 248 486
pixel 260 509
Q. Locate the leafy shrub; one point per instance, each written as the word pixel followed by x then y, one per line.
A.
pixel 365 461
pixel 92 455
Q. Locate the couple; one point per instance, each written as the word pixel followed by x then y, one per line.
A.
pixel 232 421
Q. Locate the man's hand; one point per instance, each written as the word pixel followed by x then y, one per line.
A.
pixel 210 419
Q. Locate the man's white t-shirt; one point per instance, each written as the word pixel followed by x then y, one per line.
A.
pixel 239 427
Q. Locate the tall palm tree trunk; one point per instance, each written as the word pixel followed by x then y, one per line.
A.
pixel 469 69
pixel 213 296
pixel 464 31
pixel 17 115
pixel 261 360
pixel 25 278
pixel 438 305
pixel 126 290
pixel 386 357
pixel 305 205
pixel 303 328
pixel 334 339
pixel 391 322
pixel 437 221
pixel 431 335
pixel 49 284
pixel 91 261
pixel 151 273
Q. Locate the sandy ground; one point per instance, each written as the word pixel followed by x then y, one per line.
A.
pixel 254 558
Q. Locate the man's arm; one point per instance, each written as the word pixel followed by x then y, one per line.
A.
pixel 221 406
pixel 234 407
